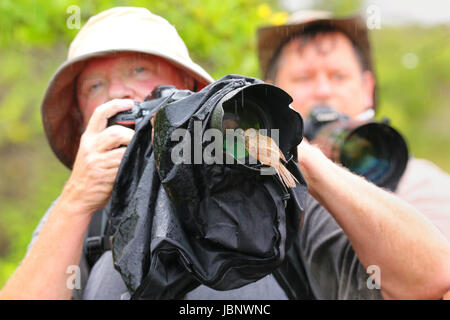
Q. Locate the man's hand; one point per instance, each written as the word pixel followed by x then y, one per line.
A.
pixel 98 158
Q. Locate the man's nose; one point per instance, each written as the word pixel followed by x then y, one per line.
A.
pixel 323 87
pixel 118 90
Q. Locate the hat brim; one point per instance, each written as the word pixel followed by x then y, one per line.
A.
pixel 61 116
pixel 271 38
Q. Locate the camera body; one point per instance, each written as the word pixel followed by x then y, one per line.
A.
pixel 159 97
pixel 253 106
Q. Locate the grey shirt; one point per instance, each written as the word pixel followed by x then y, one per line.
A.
pixel 332 268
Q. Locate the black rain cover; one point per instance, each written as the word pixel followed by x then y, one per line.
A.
pixel 176 226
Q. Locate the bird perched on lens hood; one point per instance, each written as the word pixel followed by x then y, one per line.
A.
pixel 266 151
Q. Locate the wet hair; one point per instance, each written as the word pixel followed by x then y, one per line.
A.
pixel 306 36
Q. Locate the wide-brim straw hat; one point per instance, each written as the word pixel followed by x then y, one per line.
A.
pixel 114 31
pixel 272 38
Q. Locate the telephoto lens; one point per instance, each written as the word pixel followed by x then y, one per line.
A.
pixel 368 148
pixel 237 111
pixel 255 107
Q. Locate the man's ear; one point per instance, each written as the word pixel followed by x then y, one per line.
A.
pixel 369 88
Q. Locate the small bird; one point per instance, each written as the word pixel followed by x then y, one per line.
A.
pixel 266 151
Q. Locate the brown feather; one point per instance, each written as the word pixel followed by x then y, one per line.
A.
pixel 267 152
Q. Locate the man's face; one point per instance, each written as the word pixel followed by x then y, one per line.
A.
pixel 325 71
pixel 124 76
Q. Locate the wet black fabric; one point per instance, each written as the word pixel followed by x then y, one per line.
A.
pixel 176 226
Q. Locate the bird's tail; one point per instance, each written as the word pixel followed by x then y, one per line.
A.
pixel 287 177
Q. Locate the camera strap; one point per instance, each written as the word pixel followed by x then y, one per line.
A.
pixel 97 240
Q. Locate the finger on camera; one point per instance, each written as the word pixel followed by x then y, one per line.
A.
pixel 99 118
pixel 114 137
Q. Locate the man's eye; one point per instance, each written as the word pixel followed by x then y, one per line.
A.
pixel 139 70
pixel 338 76
pixel 302 78
pixel 95 86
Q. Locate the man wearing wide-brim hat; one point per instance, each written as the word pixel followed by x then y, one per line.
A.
pixel 324 60
pixel 118 57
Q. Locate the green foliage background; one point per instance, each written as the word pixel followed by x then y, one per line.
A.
pixel 221 36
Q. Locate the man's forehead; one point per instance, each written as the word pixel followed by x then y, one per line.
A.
pixel 99 65
pixel 124 57
pixel 321 43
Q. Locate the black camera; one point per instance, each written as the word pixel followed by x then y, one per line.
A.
pixel 230 113
pixel 178 224
pixel 372 149
pixel 158 98
pixel 253 106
